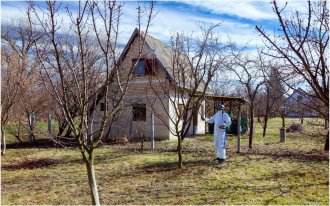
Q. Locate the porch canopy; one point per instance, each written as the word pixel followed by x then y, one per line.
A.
pixel 233 105
pixel 229 102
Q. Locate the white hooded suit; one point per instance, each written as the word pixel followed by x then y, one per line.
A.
pixel 219 119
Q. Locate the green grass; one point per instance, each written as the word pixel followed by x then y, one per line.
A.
pixel 295 172
pixel 40 130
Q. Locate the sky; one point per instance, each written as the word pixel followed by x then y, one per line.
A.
pixel 237 18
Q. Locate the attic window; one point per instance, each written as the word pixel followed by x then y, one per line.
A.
pixel 299 98
pixel 144 67
pixel 150 66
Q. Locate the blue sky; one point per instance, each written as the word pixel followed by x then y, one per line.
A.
pixel 237 18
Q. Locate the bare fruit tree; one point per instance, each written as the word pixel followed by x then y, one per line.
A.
pixel 273 91
pixel 194 61
pixel 248 72
pixel 75 76
pixel 17 69
pixel 303 42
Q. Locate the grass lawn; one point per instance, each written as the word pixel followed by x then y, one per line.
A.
pixel 295 172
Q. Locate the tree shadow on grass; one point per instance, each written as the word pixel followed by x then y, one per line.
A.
pixel 291 155
pixel 283 190
pixel 278 190
pixel 172 166
pixel 44 143
pixel 279 153
pixel 32 164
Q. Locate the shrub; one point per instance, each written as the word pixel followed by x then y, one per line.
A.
pixel 295 128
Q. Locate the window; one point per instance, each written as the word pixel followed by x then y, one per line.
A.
pixel 150 67
pixel 181 109
pixel 139 68
pixel 299 98
pixel 102 107
pixel 139 112
pixel 144 67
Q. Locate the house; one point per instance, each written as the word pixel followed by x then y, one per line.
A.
pixel 145 111
pixel 299 105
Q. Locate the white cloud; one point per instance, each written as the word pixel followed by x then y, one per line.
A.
pixel 249 9
pixel 8 13
pixel 170 21
pixel 245 9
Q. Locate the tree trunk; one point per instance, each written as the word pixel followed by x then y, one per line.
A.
pixel 18 134
pixel 61 128
pixel 92 183
pixel 326 145
pixel 326 124
pixel 68 132
pixel 265 125
pixel 251 126
pixel 180 152
pixel 259 118
pixel 302 119
pixel 19 139
pixel 3 141
pixel 266 114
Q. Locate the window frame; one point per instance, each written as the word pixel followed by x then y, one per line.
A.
pixel 146 66
pixel 135 63
pixel 136 116
pixel 150 67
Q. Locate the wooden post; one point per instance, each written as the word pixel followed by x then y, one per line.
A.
pixel 282 135
pixel 326 124
pixel 239 129
pixel 30 128
pixel 230 107
pixel 152 131
pixel 49 124
pixel 283 130
pixel 214 102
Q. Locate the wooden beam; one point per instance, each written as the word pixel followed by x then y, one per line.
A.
pixel 239 129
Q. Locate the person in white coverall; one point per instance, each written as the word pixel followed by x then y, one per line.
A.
pixel 221 120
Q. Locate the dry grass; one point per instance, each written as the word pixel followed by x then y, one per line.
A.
pixel 272 173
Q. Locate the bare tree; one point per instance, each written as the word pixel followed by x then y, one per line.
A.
pixel 17 68
pixel 194 62
pixel 248 72
pixel 302 42
pixel 273 90
pixel 77 80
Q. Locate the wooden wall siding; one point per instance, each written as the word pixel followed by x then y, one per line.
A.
pixel 140 91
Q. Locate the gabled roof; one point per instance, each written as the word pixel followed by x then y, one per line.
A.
pixel 163 54
pixel 152 44
pixel 299 90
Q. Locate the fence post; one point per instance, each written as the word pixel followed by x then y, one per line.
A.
pixel 152 131
pixel 32 119
pixel 49 124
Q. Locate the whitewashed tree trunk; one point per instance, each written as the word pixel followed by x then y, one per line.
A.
pixel 92 183
pixel 152 131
